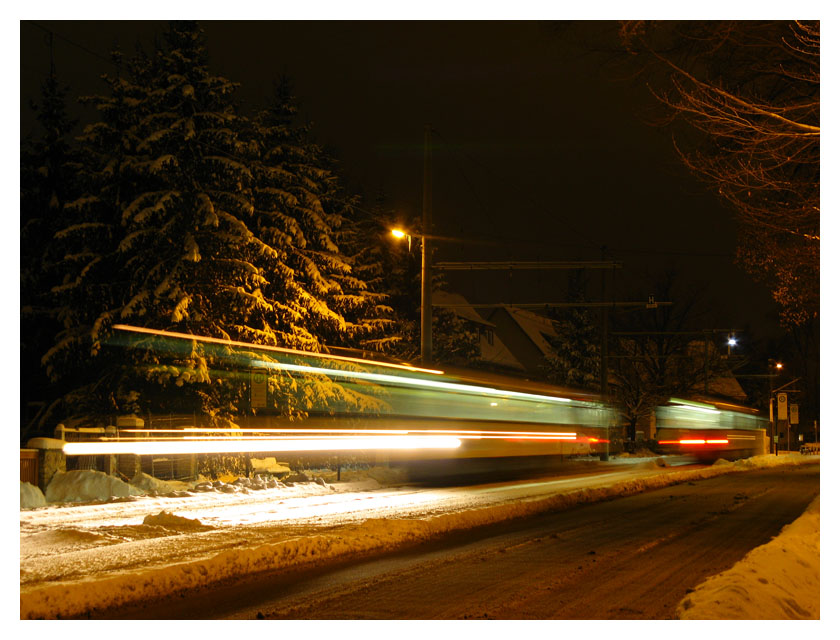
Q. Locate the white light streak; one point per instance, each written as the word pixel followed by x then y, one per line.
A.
pixel 140 447
pixel 412 382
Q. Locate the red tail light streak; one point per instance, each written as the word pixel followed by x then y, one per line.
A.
pixel 697 441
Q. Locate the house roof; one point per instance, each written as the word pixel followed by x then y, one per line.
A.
pixel 535 326
pixel 460 307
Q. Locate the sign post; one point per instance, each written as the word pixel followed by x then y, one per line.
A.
pixel 782 415
pixel 794 418
pixel 782 406
pixel 259 388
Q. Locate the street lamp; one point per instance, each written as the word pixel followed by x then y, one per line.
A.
pixel 425 294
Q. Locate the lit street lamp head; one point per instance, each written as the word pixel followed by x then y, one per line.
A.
pixel 398 233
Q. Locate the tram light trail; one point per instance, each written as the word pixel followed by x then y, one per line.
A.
pixel 140 447
pixel 392 378
pixel 260 347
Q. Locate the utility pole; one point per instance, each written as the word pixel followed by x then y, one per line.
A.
pixel 426 251
pixel 604 336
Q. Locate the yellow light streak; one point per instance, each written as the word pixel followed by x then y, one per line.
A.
pixel 255 446
pixel 322 432
pixel 262 347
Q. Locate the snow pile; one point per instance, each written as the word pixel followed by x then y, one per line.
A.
pixel 240 485
pixel 270 466
pixel 171 521
pixel 145 581
pixel 85 486
pixel 31 496
pixel 150 484
pixel 777 581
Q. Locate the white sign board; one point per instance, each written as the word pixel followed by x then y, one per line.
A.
pixel 259 388
pixel 782 405
pixel 794 413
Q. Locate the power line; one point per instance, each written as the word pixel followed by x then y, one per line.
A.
pixel 72 43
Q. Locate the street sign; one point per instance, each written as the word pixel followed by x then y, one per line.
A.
pixel 782 405
pixel 794 413
pixel 259 388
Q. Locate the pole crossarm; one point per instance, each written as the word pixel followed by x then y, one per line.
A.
pixel 785 385
pixel 510 265
pixel 674 333
pixel 542 305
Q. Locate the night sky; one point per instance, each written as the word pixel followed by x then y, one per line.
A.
pixel 542 148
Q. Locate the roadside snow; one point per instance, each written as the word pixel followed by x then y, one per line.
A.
pixel 777 581
pixel 83 486
pixel 75 558
pixel 31 496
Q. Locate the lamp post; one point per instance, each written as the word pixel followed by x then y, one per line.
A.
pixel 425 293
pixel 777 367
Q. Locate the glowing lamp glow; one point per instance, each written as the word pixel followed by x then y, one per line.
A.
pixel 261 446
pixel 398 233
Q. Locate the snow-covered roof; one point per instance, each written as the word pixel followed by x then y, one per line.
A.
pixel 535 326
pixel 498 354
pixel 460 307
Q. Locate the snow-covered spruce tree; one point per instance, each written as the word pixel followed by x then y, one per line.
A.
pixel 174 183
pixel 315 296
pixel 373 323
pixel 575 361
pixel 46 184
pixel 85 247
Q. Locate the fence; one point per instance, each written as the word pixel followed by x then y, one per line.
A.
pixel 29 466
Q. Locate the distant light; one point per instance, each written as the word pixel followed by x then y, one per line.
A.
pixel 779 365
pixel 398 233
pixel 732 341
pixel 494 404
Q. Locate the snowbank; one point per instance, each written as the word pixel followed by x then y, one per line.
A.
pixel 172 521
pixel 147 582
pixel 150 484
pixel 777 581
pixel 31 496
pixel 84 486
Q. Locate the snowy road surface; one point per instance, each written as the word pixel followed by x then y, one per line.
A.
pixel 82 558
pixel 631 558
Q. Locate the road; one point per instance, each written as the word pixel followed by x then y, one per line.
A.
pixel 628 558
